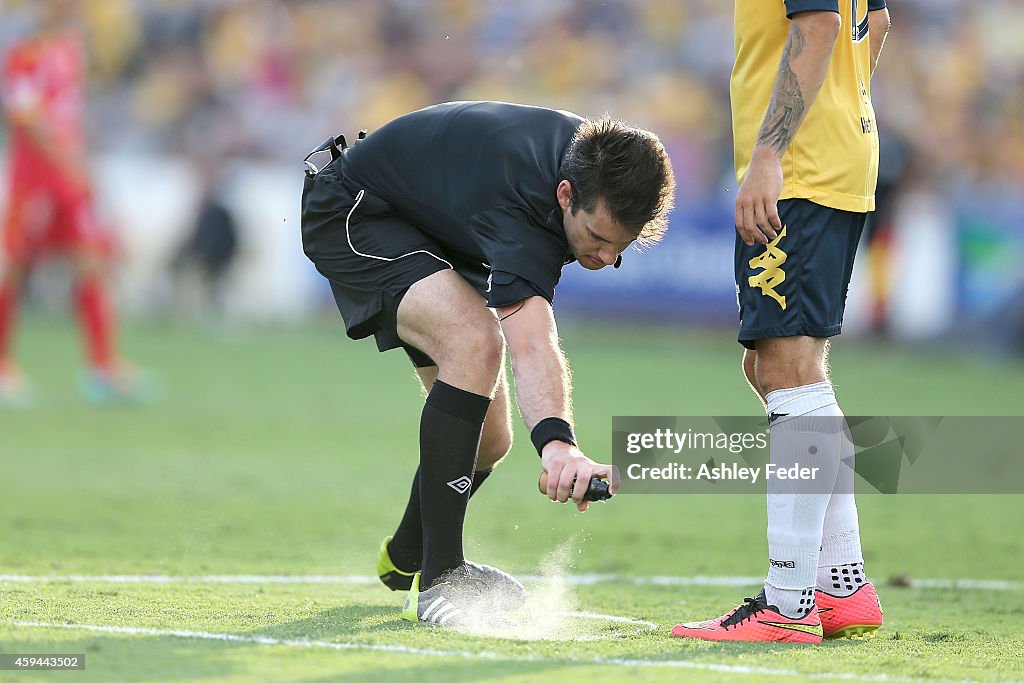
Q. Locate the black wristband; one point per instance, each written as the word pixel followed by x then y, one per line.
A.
pixel 551 429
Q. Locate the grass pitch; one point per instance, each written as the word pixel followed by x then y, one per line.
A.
pixel 288 453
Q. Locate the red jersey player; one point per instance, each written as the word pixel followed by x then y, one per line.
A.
pixel 50 209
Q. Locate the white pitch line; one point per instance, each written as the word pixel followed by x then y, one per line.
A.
pixel 156 578
pixel 573 580
pixel 609 617
pixel 465 654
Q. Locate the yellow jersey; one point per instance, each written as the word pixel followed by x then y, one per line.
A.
pixel 833 159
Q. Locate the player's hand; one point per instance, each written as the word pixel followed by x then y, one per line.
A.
pixel 757 203
pixel 565 464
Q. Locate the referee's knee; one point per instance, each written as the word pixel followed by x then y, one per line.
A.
pixel 473 355
pixel 495 443
pixel 485 349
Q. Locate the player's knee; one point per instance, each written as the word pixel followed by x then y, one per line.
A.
pixel 786 364
pixel 771 375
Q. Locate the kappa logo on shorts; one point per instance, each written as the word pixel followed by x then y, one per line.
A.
pixel 462 484
pixel 773 275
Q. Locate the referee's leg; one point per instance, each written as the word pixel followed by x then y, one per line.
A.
pixel 443 316
pixel 496 439
pixel 405 549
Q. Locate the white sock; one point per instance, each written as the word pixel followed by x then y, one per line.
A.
pixel 840 562
pixel 804 431
pixel 841 580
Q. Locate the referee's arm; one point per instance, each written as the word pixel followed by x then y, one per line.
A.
pixel 543 390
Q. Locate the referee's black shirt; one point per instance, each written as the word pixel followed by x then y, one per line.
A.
pixel 480 179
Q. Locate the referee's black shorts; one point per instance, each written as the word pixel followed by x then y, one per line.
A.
pixel 797 284
pixel 370 255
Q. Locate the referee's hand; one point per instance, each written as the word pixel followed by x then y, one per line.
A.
pixel 566 464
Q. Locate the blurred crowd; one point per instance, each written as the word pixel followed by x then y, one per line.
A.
pixel 266 80
pixel 271 77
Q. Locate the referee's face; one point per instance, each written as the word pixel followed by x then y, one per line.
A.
pixel 595 239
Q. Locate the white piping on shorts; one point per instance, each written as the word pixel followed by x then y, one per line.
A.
pixel 348 236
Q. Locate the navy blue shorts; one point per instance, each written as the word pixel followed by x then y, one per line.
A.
pixel 797 284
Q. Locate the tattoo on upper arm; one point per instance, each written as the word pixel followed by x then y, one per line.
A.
pixel 786 108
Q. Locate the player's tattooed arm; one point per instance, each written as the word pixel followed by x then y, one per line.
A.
pixel 786 109
pixel 802 70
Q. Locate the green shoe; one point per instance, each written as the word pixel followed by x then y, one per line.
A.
pixel 470 594
pixel 411 611
pixel 453 601
pixel 390 575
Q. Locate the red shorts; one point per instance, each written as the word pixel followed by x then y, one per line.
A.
pixel 46 214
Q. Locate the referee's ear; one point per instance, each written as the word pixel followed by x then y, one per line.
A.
pixel 564 194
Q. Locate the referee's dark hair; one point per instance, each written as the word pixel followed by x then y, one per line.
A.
pixel 626 167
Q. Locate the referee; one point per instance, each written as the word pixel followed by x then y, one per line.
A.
pixel 444 233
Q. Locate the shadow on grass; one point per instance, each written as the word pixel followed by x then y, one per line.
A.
pixel 348 621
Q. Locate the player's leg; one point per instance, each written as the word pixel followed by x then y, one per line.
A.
pixel 14 387
pixel 810 417
pixel 847 602
pixel 94 309
pixel 77 231
pixel 804 419
pixel 792 371
pixel 401 555
pixel 10 289
pixel 787 369
pixel 792 294
pixel 107 377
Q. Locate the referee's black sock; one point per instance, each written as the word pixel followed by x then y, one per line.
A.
pixel 406 546
pixel 449 439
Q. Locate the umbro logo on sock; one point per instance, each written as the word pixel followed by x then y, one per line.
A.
pixel 462 484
